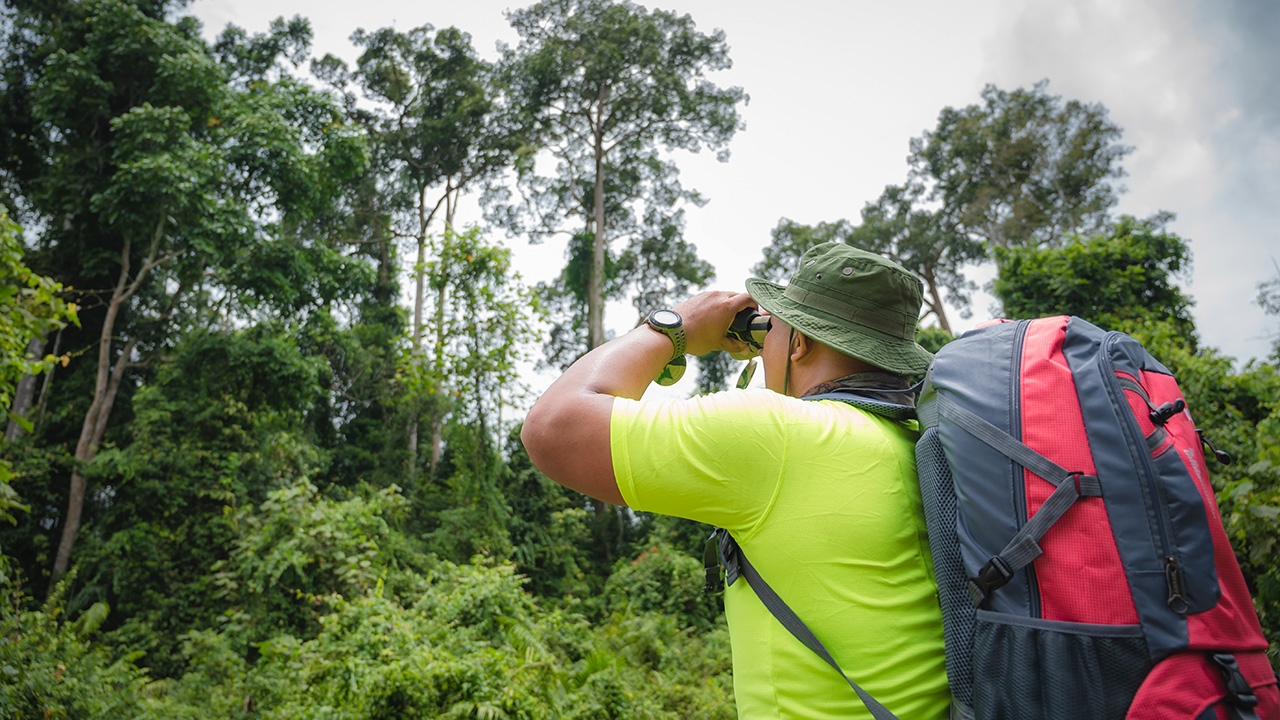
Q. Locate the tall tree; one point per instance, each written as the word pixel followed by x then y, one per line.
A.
pixel 608 86
pixel 490 324
pixel 1119 280
pixel 898 226
pixel 432 113
pixel 154 167
pixel 1023 168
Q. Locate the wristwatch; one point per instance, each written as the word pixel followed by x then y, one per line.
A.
pixel 669 323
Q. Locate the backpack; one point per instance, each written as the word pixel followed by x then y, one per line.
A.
pixel 1083 570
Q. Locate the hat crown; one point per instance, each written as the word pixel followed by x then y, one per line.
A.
pixel 854 301
pixel 862 279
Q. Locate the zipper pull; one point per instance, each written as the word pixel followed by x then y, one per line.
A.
pixel 1177 601
pixel 1161 415
pixel 1223 456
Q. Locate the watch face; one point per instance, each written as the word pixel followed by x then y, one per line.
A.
pixel 665 318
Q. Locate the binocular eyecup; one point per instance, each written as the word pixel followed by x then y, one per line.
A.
pixel 749 327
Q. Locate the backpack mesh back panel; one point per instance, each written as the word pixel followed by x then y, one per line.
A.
pixel 940 516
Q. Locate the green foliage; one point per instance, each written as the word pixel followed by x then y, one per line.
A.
pixel 175 186
pixel 471 644
pixel 297 550
pixel 243 518
pixel 717 370
pixel 31 306
pixel 789 240
pixel 550 531
pixel 665 581
pixel 896 227
pixel 1023 169
pixel 924 242
pixel 218 426
pixel 54 667
pixel 247 549
pixel 1115 280
pixel 488 330
pixel 932 338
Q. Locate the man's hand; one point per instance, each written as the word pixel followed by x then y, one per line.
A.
pixel 707 317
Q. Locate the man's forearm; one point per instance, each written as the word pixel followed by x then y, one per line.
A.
pixel 567 430
pixel 622 367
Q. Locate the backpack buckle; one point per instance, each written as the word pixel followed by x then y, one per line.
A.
pixel 1239 692
pixel 720 550
pixel 994 575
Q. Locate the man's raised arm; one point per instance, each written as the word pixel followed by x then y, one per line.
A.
pixel 567 430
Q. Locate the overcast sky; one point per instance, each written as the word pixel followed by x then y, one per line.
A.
pixel 839 88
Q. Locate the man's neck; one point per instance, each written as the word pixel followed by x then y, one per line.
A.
pixel 873 383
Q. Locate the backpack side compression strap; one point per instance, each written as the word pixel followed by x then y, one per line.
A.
pixel 734 557
pixel 1024 547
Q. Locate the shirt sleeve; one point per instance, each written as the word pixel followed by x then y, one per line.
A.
pixel 716 459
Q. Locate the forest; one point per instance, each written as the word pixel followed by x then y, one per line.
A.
pixel 264 392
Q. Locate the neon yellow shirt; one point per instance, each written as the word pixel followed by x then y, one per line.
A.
pixel 823 499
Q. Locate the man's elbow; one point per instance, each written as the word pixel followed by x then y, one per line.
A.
pixel 569 443
pixel 534 434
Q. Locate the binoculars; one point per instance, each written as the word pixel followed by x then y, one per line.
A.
pixel 749 327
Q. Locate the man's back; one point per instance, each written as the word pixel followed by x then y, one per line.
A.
pixel 822 498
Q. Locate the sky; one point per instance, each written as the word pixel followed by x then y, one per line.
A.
pixel 838 89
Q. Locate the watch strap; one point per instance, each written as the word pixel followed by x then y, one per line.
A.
pixel 677 337
pixel 676 332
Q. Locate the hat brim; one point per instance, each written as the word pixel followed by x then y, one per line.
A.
pixel 895 354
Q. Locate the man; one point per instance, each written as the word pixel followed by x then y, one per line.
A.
pixel 820 495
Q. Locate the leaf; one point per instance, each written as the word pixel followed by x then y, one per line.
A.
pixel 26 425
pixel 1266 512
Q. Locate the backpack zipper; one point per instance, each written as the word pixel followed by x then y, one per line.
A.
pixel 1020 481
pixel 1154 494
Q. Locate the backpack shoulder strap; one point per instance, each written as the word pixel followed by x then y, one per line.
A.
pixel 736 564
pixel 875 406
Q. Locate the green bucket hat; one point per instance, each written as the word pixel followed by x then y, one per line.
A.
pixel 853 301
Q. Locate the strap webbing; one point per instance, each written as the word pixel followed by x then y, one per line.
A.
pixel 1025 545
pixel 883 408
pixel 1241 700
pixel 1001 442
pixel 796 627
pixel 736 564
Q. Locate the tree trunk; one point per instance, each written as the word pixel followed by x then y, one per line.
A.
pixel 935 303
pixel 106 387
pixel 442 300
pixel 24 394
pixel 595 281
pixel 419 271
pixel 94 422
pixel 48 377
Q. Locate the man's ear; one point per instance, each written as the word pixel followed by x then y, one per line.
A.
pixel 802 346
